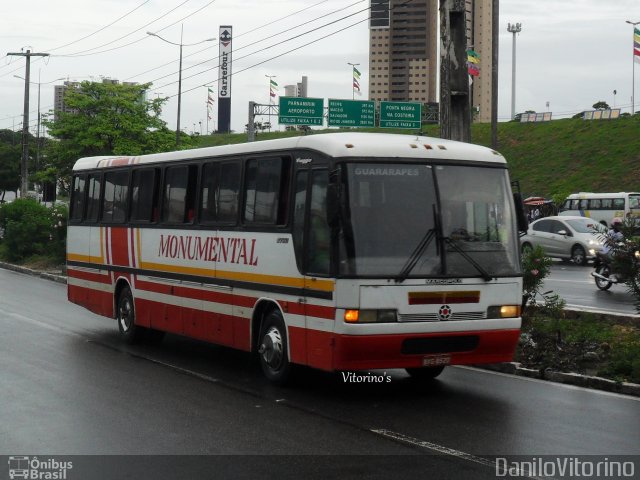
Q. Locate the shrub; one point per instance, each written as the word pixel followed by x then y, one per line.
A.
pixel 29 228
pixel 536 266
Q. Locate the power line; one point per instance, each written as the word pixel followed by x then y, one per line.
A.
pixel 83 53
pixel 259 50
pixel 251 31
pixel 101 29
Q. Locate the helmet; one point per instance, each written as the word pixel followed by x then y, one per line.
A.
pixel 616 221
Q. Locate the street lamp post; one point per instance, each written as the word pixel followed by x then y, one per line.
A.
pixel 515 28
pixel 633 68
pixel 179 72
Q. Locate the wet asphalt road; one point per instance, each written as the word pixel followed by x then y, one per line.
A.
pixel 577 287
pixel 69 386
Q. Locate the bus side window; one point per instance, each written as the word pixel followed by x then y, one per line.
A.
pixel 93 197
pixel 178 204
pixel 266 189
pixel 595 204
pixel 618 203
pixel 319 231
pixel 299 209
pixel 78 198
pixel 114 202
pixel 229 192
pixel 209 192
pixel 144 195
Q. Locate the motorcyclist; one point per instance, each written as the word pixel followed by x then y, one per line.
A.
pixel 613 237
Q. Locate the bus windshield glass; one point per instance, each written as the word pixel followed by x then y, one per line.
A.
pixel 417 220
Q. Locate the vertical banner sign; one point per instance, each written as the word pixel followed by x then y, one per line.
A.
pixel 224 80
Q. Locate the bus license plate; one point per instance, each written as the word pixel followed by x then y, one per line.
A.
pixel 436 360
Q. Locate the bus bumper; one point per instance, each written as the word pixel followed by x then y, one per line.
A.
pixel 365 352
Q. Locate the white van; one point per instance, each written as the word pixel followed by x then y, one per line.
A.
pixel 602 207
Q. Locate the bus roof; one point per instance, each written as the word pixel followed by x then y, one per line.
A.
pixel 344 144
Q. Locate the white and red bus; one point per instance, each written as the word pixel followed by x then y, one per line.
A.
pixel 342 251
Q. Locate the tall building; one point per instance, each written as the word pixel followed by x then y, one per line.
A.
pixel 403 51
pixel 479 18
pixel 403 42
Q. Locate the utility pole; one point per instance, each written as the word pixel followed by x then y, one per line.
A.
pixel 24 165
pixel 515 28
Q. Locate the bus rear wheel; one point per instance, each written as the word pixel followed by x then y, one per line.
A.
pixel 126 317
pixel 425 373
pixel 273 349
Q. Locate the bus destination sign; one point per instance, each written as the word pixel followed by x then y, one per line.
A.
pixel 400 115
pixel 351 113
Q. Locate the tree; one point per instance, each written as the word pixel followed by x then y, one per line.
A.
pixel 106 119
pixel 10 155
pixel 601 105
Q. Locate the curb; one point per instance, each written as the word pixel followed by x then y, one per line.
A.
pixel 511 368
pixel 579 380
pixel 47 276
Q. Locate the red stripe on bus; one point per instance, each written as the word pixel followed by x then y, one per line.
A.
pixel 89 276
pixel 119 246
pixel 317 311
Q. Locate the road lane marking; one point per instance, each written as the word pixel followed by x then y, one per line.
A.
pixel 399 437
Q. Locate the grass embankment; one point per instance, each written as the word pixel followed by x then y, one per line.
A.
pixel 550 159
pixel 586 345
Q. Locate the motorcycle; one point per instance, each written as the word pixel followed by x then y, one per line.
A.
pixel 604 273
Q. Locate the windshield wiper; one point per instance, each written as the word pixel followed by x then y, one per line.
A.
pixel 415 255
pixel 485 275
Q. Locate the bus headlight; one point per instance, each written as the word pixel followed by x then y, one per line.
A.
pixel 370 316
pixel 503 311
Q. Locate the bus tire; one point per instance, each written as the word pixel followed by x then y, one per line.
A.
pixel 126 317
pixel 425 373
pixel 273 349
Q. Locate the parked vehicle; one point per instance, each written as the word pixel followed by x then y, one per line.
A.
pixel 573 238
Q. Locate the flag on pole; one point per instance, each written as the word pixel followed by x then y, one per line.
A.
pixel 356 81
pixel 636 44
pixel 273 88
pixel 473 62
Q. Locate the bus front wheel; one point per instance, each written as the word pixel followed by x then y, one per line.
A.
pixel 126 317
pixel 273 349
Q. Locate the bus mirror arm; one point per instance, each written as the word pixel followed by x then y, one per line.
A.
pixel 521 216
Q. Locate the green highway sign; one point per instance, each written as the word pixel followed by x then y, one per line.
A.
pixel 400 115
pixel 351 113
pixel 301 111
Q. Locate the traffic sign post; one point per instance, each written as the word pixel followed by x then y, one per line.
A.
pixel 401 115
pixel 300 111
pixel 351 113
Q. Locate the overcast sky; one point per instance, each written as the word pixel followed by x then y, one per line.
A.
pixel 569 53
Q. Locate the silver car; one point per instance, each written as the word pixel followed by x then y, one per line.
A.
pixel 567 237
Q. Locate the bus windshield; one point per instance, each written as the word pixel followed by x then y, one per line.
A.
pixel 417 220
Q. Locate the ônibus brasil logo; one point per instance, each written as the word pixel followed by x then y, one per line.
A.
pixel 37 469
